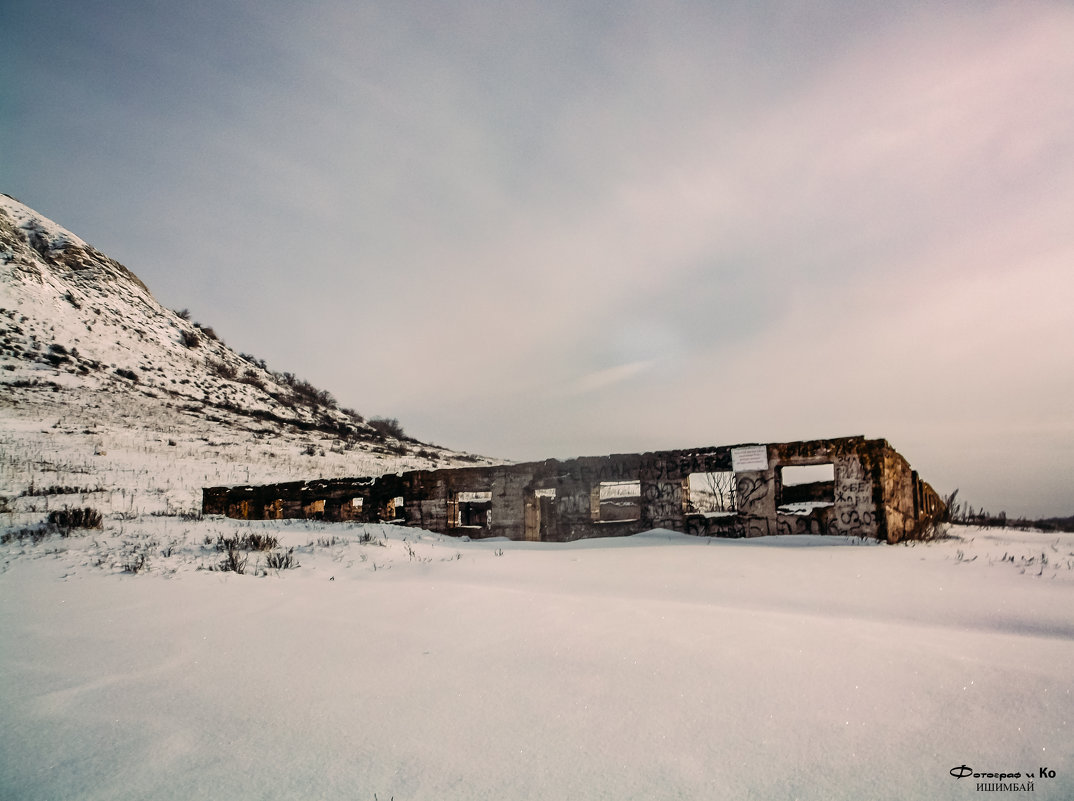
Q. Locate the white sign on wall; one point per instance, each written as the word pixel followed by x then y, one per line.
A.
pixel 749 458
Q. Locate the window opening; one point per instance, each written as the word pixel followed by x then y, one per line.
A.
pixel 710 494
pixel 395 510
pixel 474 509
pixel 806 487
pixel 617 501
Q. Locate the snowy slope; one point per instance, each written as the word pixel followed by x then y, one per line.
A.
pixel 100 384
pixel 75 317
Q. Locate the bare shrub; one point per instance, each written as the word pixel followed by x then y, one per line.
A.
pixel 260 542
pixel 254 360
pixel 234 562
pixel 281 560
pixel 138 563
pixel 387 427
pixel 366 538
pixel 252 378
pixel 952 509
pixel 929 530
pixel 34 534
pixel 224 370
pixel 67 519
pixel 247 542
pixel 59 489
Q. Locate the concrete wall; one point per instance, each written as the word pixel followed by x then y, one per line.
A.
pixel 873 494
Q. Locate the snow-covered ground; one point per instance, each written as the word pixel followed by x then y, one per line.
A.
pixel 416 666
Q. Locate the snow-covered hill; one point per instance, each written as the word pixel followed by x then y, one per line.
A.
pixel 101 388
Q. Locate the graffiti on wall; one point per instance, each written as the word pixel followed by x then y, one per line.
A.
pixel 799 524
pixel 750 490
pixel 663 502
pixel 854 514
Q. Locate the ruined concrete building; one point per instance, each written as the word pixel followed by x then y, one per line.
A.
pixel 850 486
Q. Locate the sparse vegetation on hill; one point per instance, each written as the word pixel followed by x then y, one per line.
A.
pixel 387 427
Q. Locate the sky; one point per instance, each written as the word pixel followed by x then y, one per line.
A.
pixel 552 229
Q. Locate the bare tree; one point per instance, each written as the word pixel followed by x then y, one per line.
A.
pixel 717 494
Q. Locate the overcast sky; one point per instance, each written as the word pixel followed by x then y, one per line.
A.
pixel 550 229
